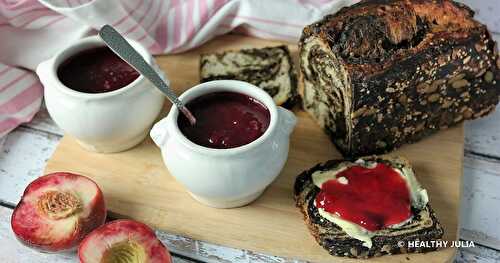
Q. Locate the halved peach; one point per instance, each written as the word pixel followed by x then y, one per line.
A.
pixel 123 241
pixel 57 211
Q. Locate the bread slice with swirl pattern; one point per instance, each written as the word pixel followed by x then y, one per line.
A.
pixel 424 226
pixel 269 68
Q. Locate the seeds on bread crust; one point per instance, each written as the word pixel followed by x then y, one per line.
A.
pixel 362 58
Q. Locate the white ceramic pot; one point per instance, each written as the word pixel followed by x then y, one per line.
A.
pixel 225 178
pixel 101 122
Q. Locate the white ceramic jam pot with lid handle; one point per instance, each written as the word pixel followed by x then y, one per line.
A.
pixel 101 122
pixel 226 178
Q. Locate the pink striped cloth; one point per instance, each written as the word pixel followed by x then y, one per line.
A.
pixel 32 31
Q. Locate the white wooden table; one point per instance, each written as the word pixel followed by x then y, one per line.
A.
pixel 24 152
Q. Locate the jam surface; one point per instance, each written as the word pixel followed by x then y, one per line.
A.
pixel 372 198
pixel 225 120
pixel 96 70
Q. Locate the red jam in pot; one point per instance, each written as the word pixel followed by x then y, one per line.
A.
pixel 96 70
pixel 225 120
pixel 372 198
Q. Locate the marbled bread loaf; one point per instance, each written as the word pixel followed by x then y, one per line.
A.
pixel 269 68
pixel 379 74
pixel 424 226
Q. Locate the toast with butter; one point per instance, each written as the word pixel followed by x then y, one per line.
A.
pixel 336 230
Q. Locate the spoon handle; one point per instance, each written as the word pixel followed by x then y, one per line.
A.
pixel 123 49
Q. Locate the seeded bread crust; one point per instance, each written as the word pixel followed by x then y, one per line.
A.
pixel 423 227
pixel 383 73
pixel 270 68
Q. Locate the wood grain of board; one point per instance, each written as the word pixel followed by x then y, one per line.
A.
pixel 137 185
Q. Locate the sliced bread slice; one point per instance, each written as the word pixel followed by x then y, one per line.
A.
pixel 423 225
pixel 269 68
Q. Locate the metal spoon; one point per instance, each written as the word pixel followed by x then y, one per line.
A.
pixel 122 48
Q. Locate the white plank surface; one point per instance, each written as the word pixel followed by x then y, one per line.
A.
pixel 43 122
pixel 482 136
pixel 12 251
pixel 486 11
pixel 22 159
pixel 480 215
pixel 477 254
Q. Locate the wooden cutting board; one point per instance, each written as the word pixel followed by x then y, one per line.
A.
pixel 137 185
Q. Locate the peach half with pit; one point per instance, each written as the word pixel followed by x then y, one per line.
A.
pixel 57 211
pixel 123 241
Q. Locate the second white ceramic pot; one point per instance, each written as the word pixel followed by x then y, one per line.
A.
pixel 225 178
